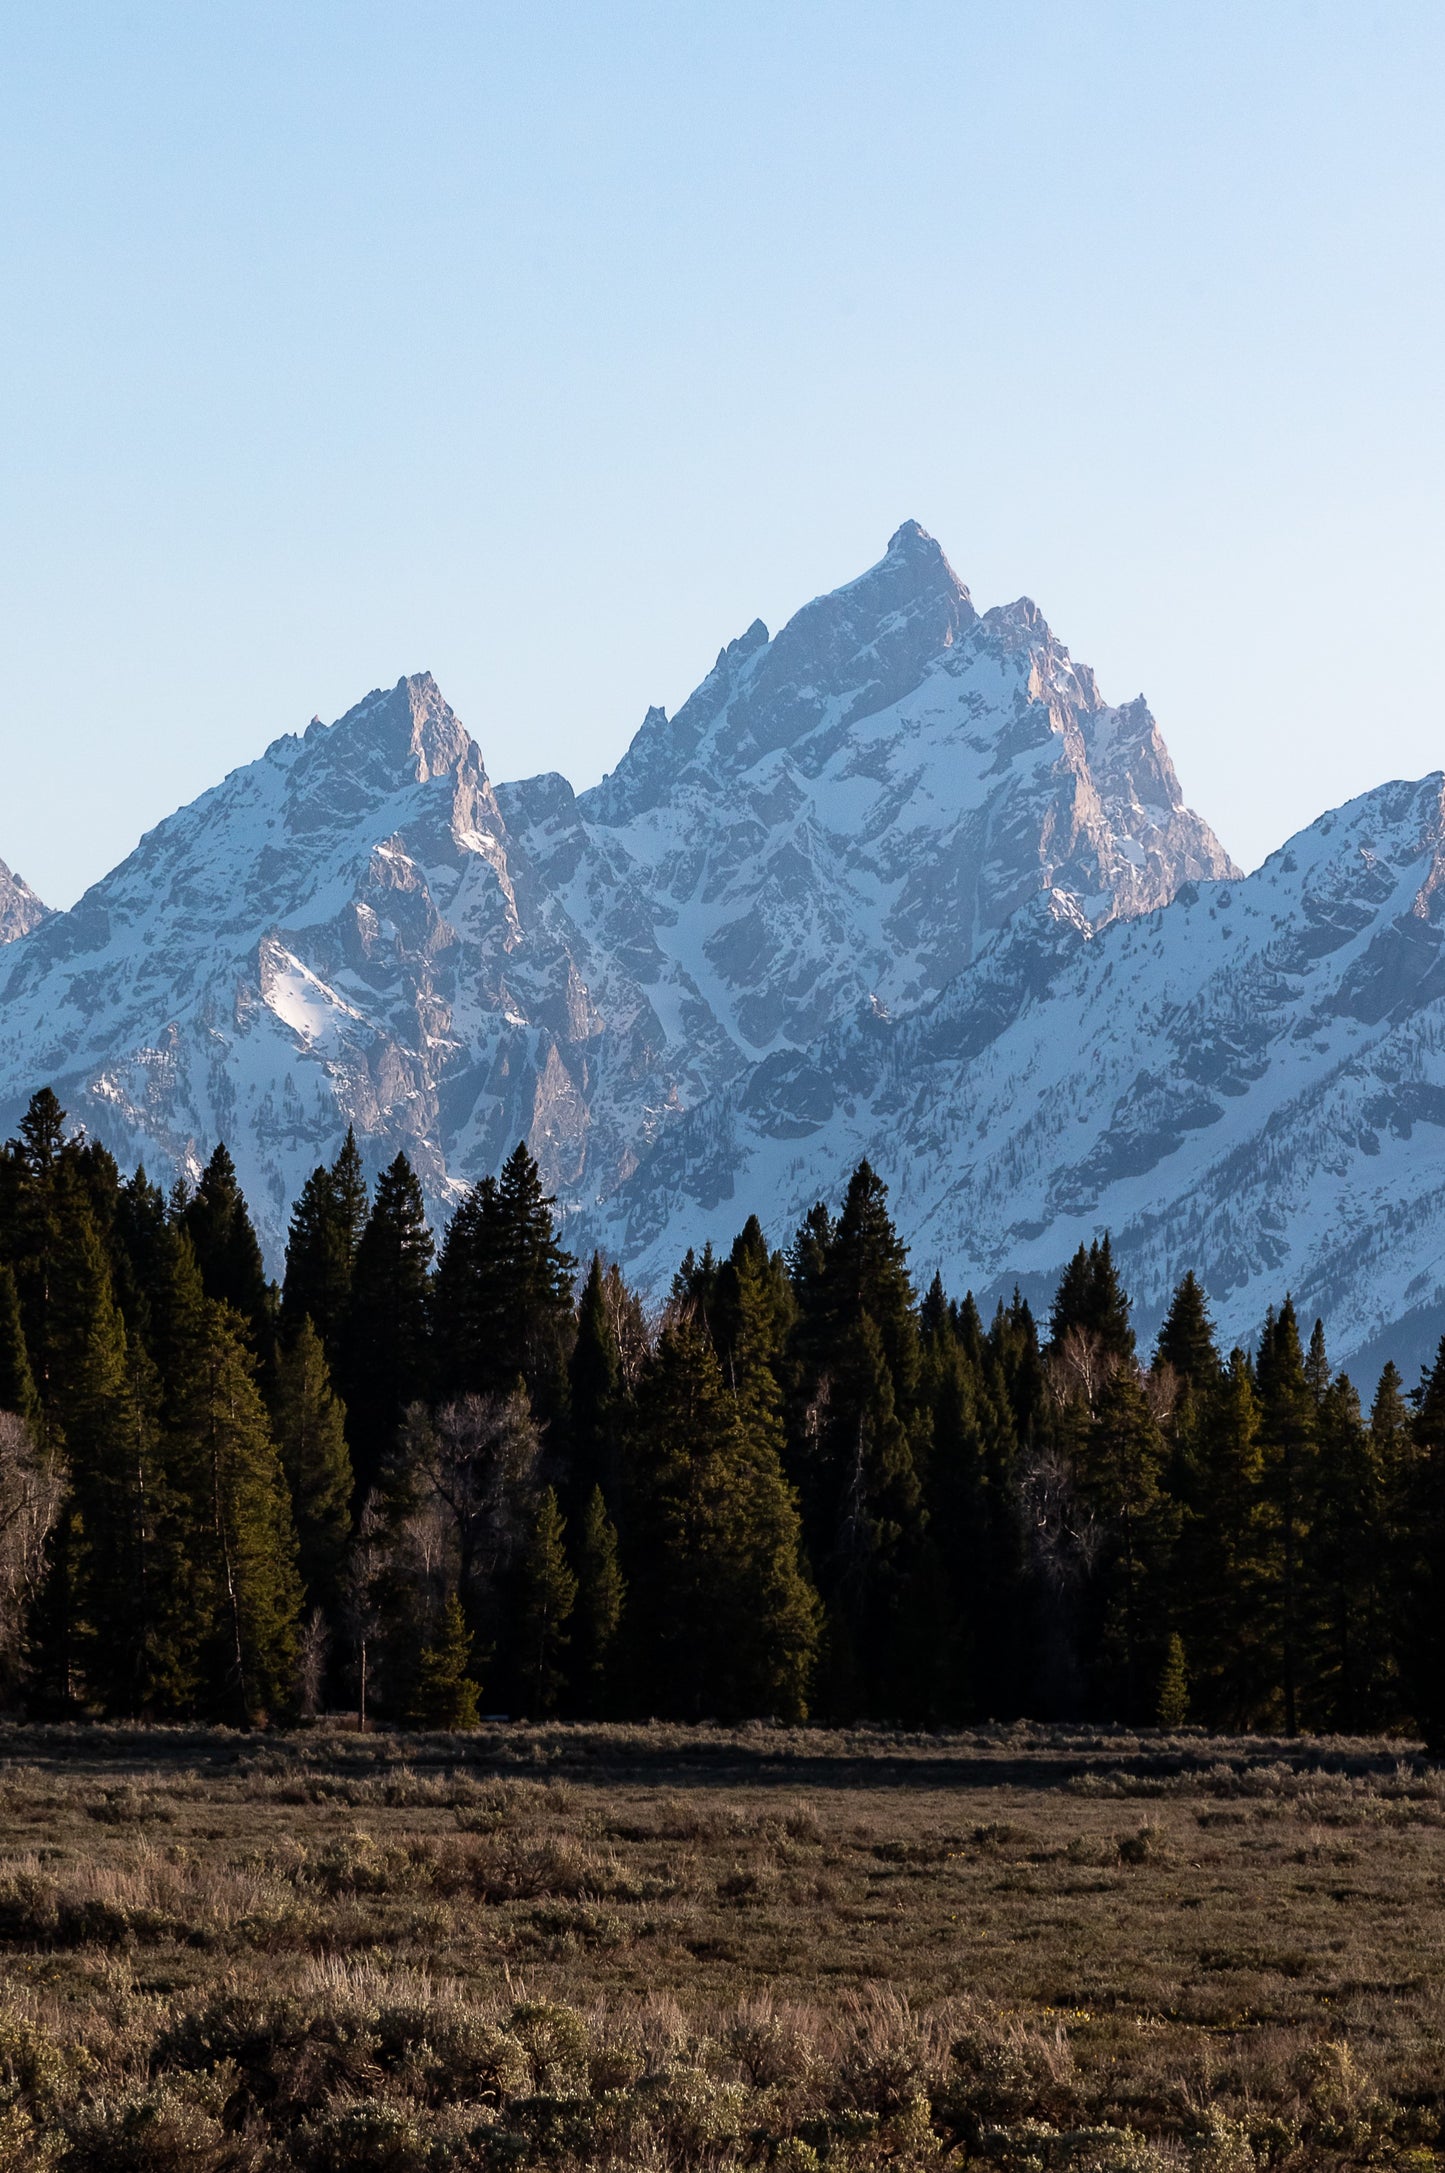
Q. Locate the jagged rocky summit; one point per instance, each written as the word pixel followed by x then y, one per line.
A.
pixel 896 880
pixel 20 909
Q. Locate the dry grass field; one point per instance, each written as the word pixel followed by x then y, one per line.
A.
pixel 665 1947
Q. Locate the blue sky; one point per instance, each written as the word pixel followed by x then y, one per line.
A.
pixel 544 346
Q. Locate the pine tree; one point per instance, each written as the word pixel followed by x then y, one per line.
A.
pixel 445 1695
pixel 1013 1341
pixel 546 1596
pixel 933 1314
pixel 1091 1299
pixel 351 1193
pixel 1222 1563
pixel 879 1522
pixel 753 1313
pixel 1288 1415
pixel 1421 1559
pixel 137 1243
pixel 118 1612
pixel 597 1615
pixel 975 1516
pixel 1317 1365
pixel 176 1306
pixel 503 1299
pixel 326 1227
pixel 595 1392
pixel 110 1449
pixel 1346 1570
pixel 1119 1469
pixel 468 1298
pixel 694 1286
pixel 1186 1340
pixel 239 1528
pixel 725 1622
pixel 17 1382
pixel 387 1363
pixel 44 1192
pixel 42 1132
pixel 1398 1461
pixel 218 1222
pixel 1172 1703
pixel 866 1272
pixel 311 1436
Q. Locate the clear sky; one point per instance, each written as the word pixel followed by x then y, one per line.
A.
pixel 544 346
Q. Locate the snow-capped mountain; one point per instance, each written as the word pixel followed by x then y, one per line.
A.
pixel 359 928
pixel 1249 1081
pixel 896 882
pixel 20 909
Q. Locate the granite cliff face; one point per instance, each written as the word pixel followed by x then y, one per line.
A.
pixel 20 909
pixel 895 881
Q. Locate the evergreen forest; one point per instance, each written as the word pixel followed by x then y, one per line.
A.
pixel 423 1481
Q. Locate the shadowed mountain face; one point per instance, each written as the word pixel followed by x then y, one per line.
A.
pixel 20 909
pixel 896 881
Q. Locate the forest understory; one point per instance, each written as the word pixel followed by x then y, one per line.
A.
pixel 669 1946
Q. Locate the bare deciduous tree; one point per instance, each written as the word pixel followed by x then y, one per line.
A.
pixel 311 1663
pixel 634 1332
pixel 32 1488
pixel 1080 1368
pixel 474 1467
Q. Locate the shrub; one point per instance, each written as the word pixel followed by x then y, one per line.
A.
pixel 554 2042
pixel 155 2131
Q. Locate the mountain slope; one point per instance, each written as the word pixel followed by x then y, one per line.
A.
pixel 359 928
pixel 1249 1081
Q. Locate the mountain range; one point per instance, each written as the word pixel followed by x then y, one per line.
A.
pixel 895 881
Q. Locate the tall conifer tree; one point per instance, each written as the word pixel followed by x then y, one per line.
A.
pixel 1288 1415
pixel 597 1615
pixel 546 1596
pixel 1222 1567
pixel 241 1535
pixel 1186 1340
pixel 326 1227
pixel 311 1437
pixel 725 1622
pixel 227 1253
pixel 17 1382
pixel 1421 1561
pixel 595 1393
pixel 388 1356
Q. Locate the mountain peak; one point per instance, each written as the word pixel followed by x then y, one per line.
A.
pixel 406 734
pixel 911 545
pixel 912 536
pixel 20 909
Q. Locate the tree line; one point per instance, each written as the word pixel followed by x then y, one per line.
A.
pixel 418 1481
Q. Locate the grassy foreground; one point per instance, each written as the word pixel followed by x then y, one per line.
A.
pixel 667 1947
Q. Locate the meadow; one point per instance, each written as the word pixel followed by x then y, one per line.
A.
pixel 661 1946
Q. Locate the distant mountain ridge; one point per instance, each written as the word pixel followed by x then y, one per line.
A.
pixel 894 881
